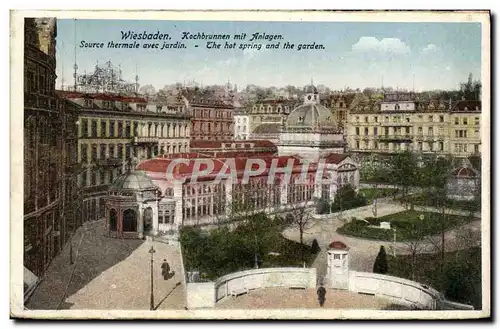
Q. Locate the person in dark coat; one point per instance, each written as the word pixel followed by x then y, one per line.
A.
pixel 165 270
pixel 321 295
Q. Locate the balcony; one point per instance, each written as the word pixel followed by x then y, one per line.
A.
pixel 109 162
pixel 396 124
pixel 397 137
pixel 145 140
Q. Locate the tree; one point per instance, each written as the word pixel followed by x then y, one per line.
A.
pixel 471 90
pixel 415 244
pixel 380 265
pixel 403 170
pixel 322 206
pixel 347 198
pixel 300 217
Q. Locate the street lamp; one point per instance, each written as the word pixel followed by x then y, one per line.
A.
pixel 152 299
pixel 394 243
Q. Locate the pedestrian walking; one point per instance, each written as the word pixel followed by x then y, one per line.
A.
pixel 165 270
pixel 321 295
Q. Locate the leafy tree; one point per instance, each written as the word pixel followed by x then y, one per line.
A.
pixel 471 90
pixel 380 265
pixel 404 172
pixel 347 198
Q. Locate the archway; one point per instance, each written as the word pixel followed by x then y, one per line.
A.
pixel 129 220
pixel 113 216
pixel 148 219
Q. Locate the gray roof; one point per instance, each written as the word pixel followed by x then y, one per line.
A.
pixel 311 115
pixel 134 180
pixel 267 128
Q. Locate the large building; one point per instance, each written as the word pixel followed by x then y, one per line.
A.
pixel 112 129
pixel 401 122
pixel 340 103
pixel 148 202
pixel 50 199
pixel 212 115
pixel 267 116
pixel 310 130
pixel 241 124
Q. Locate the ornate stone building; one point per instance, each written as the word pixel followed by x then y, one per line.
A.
pixel 340 104
pixel 267 116
pixel 402 122
pixel 212 119
pixel 310 130
pixel 114 128
pixel 49 143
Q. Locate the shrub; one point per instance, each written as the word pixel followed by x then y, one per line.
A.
pixel 315 247
pixel 380 265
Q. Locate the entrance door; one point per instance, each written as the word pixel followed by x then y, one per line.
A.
pixel 148 219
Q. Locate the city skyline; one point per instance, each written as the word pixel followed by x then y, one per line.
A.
pixel 368 54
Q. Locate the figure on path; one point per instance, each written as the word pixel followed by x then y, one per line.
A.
pixel 165 270
pixel 321 295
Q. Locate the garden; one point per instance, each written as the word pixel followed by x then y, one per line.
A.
pixel 371 194
pixel 258 241
pixel 409 225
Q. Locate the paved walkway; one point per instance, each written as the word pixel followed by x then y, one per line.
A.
pixel 110 274
pixel 290 298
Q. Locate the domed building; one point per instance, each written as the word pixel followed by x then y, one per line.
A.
pixel 131 206
pixel 310 130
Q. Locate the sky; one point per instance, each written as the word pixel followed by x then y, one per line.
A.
pixel 419 56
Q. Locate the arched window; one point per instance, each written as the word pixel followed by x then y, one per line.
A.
pixel 112 220
pixel 129 220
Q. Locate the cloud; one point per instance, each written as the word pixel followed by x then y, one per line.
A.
pixel 384 46
pixel 430 49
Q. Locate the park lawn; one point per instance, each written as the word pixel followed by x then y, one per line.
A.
pixel 371 193
pixel 459 279
pixel 423 200
pixel 406 223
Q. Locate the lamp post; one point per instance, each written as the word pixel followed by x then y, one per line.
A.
pixel 394 244
pixel 152 298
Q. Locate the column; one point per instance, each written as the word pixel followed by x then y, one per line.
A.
pixel 140 222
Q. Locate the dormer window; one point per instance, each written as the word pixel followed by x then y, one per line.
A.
pixel 301 119
pixel 88 102
pixel 309 97
pixel 397 107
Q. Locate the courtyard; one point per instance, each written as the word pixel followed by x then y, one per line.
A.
pixel 109 273
pixel 279 298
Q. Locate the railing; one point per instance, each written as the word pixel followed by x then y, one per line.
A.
pixel 145 140
pixel 109 162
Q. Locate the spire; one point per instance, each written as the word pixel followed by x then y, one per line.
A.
pixel 75 66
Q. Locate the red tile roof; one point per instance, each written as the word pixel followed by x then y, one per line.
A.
pixel 335 158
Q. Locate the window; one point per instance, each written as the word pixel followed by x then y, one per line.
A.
pixel 104 128
pixel 457 120
pixel 111 129
pixel 366 131
pixel 375 131
pixel 120 151
pixel 407 130
pixel 420 146
pixel 128 129
pixel 386 119
pixel 102 153
pixel 93 154
pixel 357 119
pixel 357 144
pixel 420 130
pixel 441 118
pixel 431 118
pixel 120 129
pixel 375 119
pixel 430 131
pixel 112 150
pixel 375 145
pixel 476 133
pixel 476 148
pixel 366 119
pixel 476 121
pixel 420 117
pixel 396 107
pixel 127 151
pixel 84 152
pixel 465 121
pixel 85 127
pixel 357 131
pixel 407 119
pixel 93 130
pixel 93 178
pixel 386 131
pixel 440 146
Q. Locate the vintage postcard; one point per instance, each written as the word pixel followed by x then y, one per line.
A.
pixel 250 165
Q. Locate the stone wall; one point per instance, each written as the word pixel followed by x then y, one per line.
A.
pixel 401 291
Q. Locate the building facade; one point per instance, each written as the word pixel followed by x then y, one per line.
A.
pixel 401 122
pixel 241 124
pixel 148 202
pixel 114 129
pixel 48 145
pixel 212 119
pixel 267 116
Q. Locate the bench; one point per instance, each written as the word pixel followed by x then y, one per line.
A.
pixel 238 292
pixel 298 286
